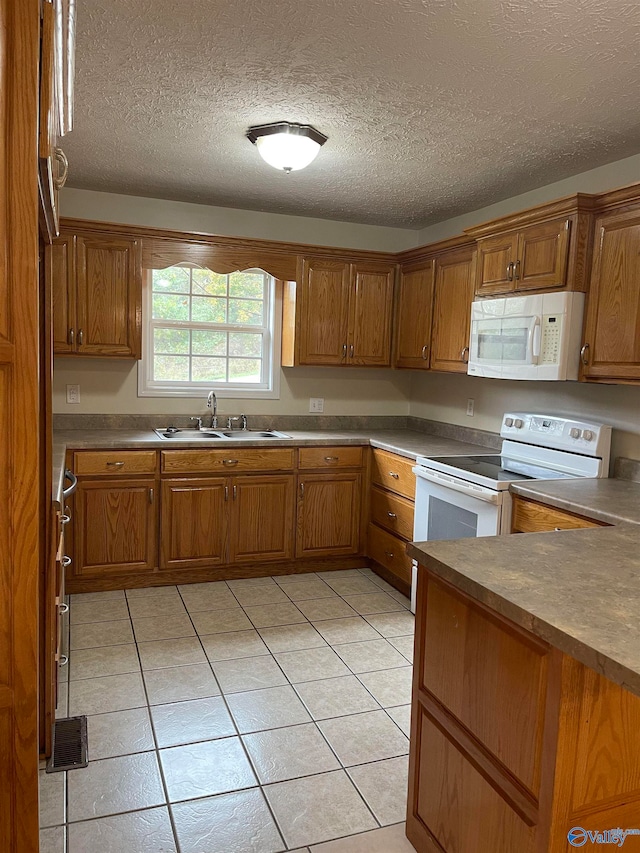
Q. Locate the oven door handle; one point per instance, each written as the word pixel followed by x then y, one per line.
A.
pixel 447 482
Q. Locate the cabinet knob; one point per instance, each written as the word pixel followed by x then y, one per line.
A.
pixel 389 554
pixel 351 350
pixel 301 490
pixel 510 272
pixel 392 515
pixel 151 496
pixel 71 337
pixel 584 354
pixel 344 350
pixel 229 461
pixel 394 475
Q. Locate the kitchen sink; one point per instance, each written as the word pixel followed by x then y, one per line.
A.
pixel 172 434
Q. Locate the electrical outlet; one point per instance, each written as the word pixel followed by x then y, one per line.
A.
pixel 73 393
pixel 316 404
pixel 470 405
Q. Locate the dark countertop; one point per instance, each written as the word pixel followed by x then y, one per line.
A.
pixel 577 589
pixel 409 443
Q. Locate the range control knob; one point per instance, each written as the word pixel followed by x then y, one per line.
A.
pixel 574 432
pixel 587 435
pixel 508 422
pixel 518 423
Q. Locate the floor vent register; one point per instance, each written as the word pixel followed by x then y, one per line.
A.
pixel 69 744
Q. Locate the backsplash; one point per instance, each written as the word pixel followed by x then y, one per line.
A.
pixel 627 469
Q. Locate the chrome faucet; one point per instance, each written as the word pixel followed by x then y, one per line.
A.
pixel 212 403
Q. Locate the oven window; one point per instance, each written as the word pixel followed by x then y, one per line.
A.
pixel 503 345
pixel 448 521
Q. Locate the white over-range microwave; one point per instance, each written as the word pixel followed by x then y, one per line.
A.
pixel 535 337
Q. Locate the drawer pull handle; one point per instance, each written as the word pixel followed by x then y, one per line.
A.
pixel 235 492
pixel 395 476
pixel 389 554
pixel 301 490
pixel 558 528
pixel 71 337
pixel 584 356
pixel 80 337
pixel 331 458
pixel 226 493
pixel 66 562
pixel 64 660
pixel 63 608
pixel 115 464
pixel 229 461
pixel 392 515
pixel 151 496
pixel 344 350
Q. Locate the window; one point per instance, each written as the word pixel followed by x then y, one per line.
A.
pixel 205 330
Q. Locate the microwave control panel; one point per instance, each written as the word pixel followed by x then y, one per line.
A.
pixel 550 338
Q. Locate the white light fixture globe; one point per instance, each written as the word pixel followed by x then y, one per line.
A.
pixel 287 146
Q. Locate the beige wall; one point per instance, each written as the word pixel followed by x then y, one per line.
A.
pixel 110 387
pixel 229 222
pixel 609 177
pixel 443 397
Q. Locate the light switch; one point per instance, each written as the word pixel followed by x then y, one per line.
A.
pixel 316 404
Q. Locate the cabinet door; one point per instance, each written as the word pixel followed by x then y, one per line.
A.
pixel 328 515
pixel 324 312
pixel 543 253
pixel 109 296
pixel 115 527
pixel 453 295
pixel 61 257
pixel 495 257
pixel 612 326
pixel 262 514
pixel 371 310
pixel 194 526
pixel 413 327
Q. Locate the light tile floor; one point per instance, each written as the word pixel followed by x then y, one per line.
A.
pixel 249 716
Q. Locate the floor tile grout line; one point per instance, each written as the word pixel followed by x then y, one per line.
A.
pixel 239 736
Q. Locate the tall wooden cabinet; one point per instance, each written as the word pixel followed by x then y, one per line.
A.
pixel 453 295
pixel 413 315
pixel 339 313
pixel 611 345
pixel 97 295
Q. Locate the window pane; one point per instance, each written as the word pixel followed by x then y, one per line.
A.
pixel 208 369
pixel 166 307
pixel 207 310
pixel 208 283
pixel 245 312
pixel 249 285
pixel 209 343
pixel 244 369
pixel 171 340
pixel 174 279
pixel 241 343
pixel 171 368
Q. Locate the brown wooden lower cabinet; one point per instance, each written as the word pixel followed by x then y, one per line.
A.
pixel 328 514
pixel 194 528
pixel 262 518
pixel 116 525
pixel 533 517
pixel 513 743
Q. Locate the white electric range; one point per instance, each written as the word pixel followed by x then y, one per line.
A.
pixel 459 497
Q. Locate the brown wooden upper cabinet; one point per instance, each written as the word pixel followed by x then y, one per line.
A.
pixel 532 258
pixel 452 298
pixel 414 312
pixel 339 314
pixel 611 346
pixel 97 295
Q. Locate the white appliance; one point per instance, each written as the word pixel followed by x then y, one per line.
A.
pixel 535 336
pixel 459 497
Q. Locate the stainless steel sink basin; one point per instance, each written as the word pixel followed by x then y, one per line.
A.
pixel 218 434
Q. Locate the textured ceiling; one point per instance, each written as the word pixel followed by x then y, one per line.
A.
pixel 432 107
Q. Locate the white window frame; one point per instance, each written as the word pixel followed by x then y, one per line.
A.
pixel 268 389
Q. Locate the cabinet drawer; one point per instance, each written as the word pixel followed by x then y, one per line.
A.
pixel 532 517
pixel 393 512
pixel 114 462
pixel 390 552
pixel 394 472
pixel 330 457
pixel 232 459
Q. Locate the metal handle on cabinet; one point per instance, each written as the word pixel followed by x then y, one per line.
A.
pixel 226 493
pixel 65 518
pixel 63 608
pixel 115 464
pixel 71 337
pixel 230 462
pixel 151 496
pixel 556 529
pixel 392 515
pixel 331 458
pixel 80 337
pixel 464 355
pixel 301 490
pixel 344 350
pixel 351 350
pixel 64 660
pixel 60 180
pixel 394 475
pixel 584 354
pixel 425 349
pixel 516 274
pixel 389 554
pixel 510 272
pixel 69 475
pixel 66 562
pixel 235 492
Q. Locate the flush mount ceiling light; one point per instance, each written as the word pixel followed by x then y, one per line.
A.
pixel 285 145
